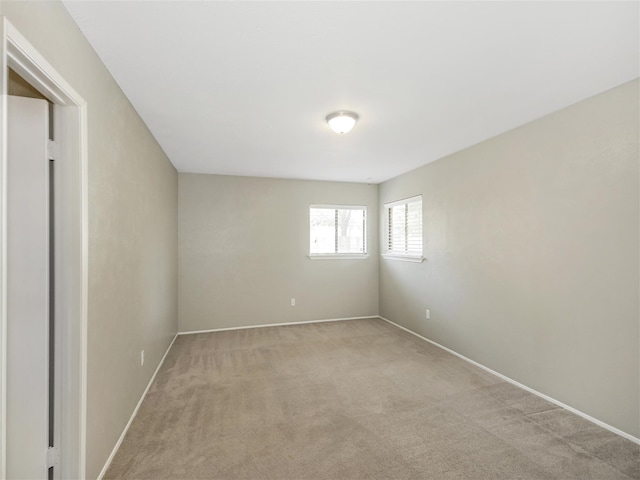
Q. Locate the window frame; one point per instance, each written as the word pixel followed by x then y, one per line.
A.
pixel 395 255
pixel 336 255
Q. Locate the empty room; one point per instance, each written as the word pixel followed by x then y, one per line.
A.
pixel 320 240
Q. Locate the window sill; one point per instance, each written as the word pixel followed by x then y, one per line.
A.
pixel 339 256
pixel 404 258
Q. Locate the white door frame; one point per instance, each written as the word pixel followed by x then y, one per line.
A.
pixel 70 113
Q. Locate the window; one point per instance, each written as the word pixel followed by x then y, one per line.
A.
pixel 404 229
pixel 337 231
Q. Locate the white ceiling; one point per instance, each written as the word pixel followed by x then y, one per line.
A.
pixel 242 88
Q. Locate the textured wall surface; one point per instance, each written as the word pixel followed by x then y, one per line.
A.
pixel 133 192
pixel 244 245
pixel 531 241
pixel 19 87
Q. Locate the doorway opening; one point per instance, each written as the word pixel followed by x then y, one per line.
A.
pixel 45 167
pixel 23 68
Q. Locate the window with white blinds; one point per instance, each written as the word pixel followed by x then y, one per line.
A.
pixel 337 230
pixel 404 228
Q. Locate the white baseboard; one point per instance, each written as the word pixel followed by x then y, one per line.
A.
pixel 518 384
pixel 135 411
pixel 191 332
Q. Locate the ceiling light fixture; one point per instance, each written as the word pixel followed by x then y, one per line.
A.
pixel 342 121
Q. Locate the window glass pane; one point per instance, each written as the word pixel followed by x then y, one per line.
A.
pixel 323 230
pixel 335 230
pixel 351 231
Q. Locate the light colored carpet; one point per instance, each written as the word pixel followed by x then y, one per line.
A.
pixel 351 400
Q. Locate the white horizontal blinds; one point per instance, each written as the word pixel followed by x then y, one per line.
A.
pixel 337 230
pixel 414 227
pixel 405 227
pixel 397 229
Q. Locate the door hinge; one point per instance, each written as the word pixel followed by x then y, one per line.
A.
pixel 53 457
pixel 53 149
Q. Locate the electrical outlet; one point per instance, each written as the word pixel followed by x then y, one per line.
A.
pixel 141 357
pixel 428 314
pixel 293 302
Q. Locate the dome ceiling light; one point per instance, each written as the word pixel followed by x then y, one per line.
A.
pixel 342 121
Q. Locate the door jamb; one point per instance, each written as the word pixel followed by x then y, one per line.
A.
pixel 17 53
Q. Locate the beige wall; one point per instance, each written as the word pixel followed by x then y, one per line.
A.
pixel 243 246
pixel 531 241
pixel 19 87
pixel 132 230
